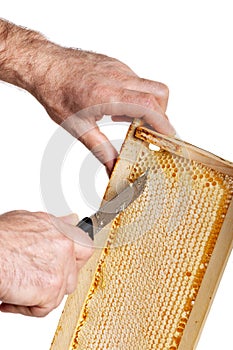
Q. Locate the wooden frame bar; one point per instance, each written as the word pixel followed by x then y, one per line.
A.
pixel 137 140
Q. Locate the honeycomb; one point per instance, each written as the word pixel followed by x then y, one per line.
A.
pixel 157 253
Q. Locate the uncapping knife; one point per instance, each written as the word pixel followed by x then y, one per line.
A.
pixel 110 209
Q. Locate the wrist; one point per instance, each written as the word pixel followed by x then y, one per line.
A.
pixel 19 54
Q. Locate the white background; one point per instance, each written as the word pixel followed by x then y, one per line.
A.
pixel 185 44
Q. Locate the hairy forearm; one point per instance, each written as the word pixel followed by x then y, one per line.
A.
pixel 66 81
pixel 19 54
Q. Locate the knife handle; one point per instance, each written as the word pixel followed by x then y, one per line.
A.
pixel 86 225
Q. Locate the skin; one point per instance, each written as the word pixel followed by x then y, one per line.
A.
pixel 38 264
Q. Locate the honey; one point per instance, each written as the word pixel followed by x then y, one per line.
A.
pixel 145 290
pixel 158 253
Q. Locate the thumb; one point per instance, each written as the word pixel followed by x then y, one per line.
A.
pixel 71 219
pixel 67 226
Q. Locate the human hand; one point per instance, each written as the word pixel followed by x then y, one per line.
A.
pixel 38 264
pixel 73 80
pixel 68 81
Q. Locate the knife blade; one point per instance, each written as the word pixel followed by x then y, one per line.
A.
pixel 110 209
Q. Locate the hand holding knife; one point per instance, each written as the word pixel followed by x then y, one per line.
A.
pixel 110 209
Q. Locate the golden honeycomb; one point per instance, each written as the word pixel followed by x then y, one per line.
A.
pixel 157 253
pixel 152 283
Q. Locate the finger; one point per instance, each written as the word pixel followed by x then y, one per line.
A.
pixel 121 118
pixel 72 279
pixel 100 146
pixel 136 104
pixel 82 253
pixel 15 309
pixel 83 243
pixel 49 300
pixel 124 118
pixel 109 166
pixel 34 311
pixel 159 90
pixel 146 107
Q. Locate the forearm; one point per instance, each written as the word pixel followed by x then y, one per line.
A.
pixel 19 52
pixel 66 81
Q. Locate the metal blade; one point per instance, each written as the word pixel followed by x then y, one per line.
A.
pixel 120 202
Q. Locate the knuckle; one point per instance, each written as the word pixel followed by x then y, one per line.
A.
pixel 72 282
pixel 66 246
pixel 83 255
pixel 43 216
pixel 149 101
pixel 63 250
pixel 94 84
pixel 55 282
pixel 56 302
pixel 41 312
pixel 105 93
pixel 89 252
pixel 86 254
pixel 163 90
pixel 71 289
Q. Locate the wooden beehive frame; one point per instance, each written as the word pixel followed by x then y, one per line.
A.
pixel 138 137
